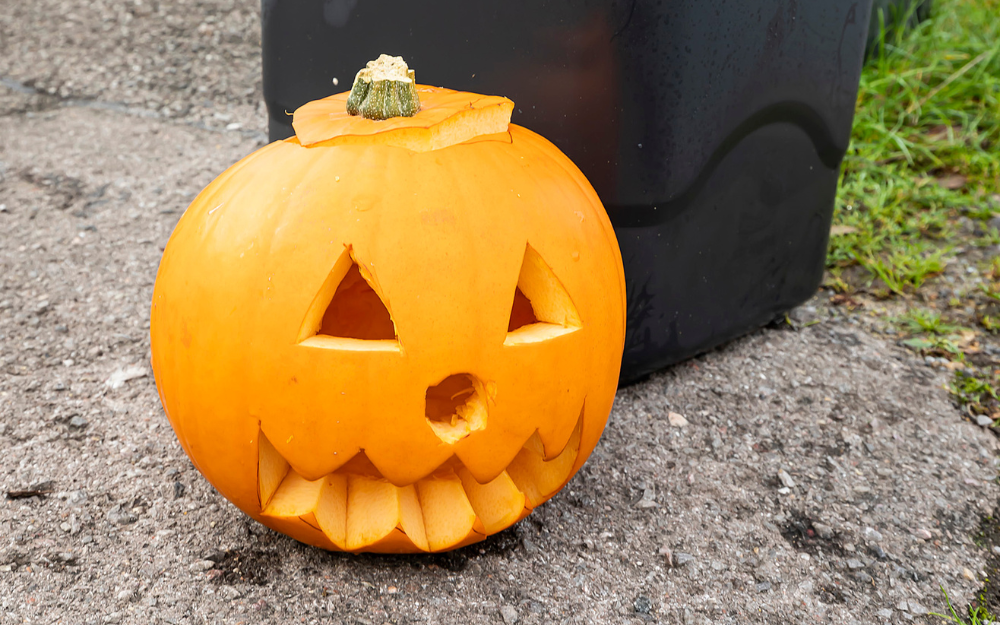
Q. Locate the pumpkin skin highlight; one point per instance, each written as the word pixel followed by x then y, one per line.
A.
pixel 299 430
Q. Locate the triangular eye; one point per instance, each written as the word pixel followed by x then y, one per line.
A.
pixel 356 311
pixel 521 313
pixel 541 308
pixel 348 306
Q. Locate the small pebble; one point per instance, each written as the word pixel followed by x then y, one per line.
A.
pixel 984 421
pixel 680 559
pixel 648 499
pixel 763 586
pixel 642 604
pixel 853 563
pixel 823 531
pixel 201 565
pixel 676 420
pixel 922 534
pixel 916 609
pixel 509 614
pixel 121 517
pixel 968 574
pixel 667 555
pixel 230 593
pixel 78 422
pixel 786 479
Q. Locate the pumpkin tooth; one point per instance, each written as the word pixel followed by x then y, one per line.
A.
pixel 384 463
pixel 297 528
pixel 395 542
pixel 538 478
pixel 486 460
pixel 295 497
pixel 331 510
pixel 498 504
pixel 360 464
pixel 372 511
pixel 271 470
pixel 310 520
pixel 534 444
pixel 360 510
pixel 474 536
pixel 448 515
pixel 411 517
pixel 554 437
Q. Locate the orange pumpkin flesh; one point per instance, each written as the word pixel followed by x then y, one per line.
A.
pixel 392 336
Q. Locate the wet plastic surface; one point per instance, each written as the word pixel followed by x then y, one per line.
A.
pixel 713 131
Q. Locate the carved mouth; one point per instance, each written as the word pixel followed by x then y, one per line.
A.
pixel 356 509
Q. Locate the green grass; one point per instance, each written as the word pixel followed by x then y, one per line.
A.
pixel 924 160
pixel 977 615
pixel 928 321
pixel 972 388
pixel 929 334
pixel 924 149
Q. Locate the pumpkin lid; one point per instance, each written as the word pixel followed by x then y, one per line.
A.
pixel 445 117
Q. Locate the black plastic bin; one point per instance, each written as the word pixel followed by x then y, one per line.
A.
pixel 713 130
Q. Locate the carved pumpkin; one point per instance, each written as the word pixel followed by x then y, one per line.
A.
pixel 397 335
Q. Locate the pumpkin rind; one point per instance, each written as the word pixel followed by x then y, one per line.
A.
pixel 442 235
pixel 446 118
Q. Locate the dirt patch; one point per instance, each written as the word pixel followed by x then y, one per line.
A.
pixel 801 533
pixel 988 537
pixel 242 567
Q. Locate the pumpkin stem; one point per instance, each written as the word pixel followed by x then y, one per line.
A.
pixel 384 88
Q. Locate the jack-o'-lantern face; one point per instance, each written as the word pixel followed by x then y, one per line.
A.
pixel 377 347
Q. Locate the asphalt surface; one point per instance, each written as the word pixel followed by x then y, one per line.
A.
pixel 819 474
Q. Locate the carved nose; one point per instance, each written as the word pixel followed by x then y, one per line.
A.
pixel 456 407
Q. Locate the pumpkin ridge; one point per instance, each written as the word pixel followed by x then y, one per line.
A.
pixel 204 199
pixel 570 168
